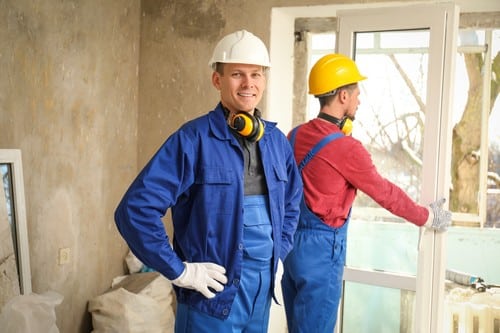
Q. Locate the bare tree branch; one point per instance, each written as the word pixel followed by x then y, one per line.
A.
pixel 408 82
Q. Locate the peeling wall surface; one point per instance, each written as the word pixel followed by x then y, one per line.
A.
pixel 89 90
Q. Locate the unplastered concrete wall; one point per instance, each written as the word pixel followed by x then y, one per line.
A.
pixel 177 39
pixel 69 102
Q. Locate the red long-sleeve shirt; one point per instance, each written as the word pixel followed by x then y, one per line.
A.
pixel 332 177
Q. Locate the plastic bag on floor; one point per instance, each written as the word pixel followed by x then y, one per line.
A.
pixel 133 263
pixel 122 311
pixel 31 313
pixel 139 303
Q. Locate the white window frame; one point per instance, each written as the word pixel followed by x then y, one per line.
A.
pixel 13 158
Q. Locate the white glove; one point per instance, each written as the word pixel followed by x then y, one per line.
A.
pixel 202 275
pixel 441 219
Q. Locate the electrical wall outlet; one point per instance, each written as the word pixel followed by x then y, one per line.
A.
pixel 64 256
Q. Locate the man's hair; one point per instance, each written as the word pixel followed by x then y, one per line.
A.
pixel 219 68
pixel 327 99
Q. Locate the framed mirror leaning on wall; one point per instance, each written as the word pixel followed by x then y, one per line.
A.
pixel 14 247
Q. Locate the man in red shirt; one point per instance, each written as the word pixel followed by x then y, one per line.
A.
pixel 333 166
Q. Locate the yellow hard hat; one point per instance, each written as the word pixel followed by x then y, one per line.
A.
pixel 332 71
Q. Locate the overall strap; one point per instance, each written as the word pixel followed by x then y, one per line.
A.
pixel 293 134
pixel 327 139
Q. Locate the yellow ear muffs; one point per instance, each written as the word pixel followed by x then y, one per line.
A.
pixel 248 126
pixel 346 126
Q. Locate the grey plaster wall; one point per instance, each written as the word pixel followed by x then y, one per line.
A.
pixel 69 101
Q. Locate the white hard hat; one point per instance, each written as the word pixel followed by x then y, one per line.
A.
pixel 240 47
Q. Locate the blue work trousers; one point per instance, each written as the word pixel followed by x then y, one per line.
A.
pixel 251 307
pixel 312 277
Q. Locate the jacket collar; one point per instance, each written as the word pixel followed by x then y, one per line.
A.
pixel 220 129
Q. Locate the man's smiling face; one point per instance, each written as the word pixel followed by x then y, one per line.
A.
pixel 241 86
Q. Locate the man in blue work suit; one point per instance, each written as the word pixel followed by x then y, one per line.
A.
pixel 234 191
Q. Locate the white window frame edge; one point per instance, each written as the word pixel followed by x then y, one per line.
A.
pixel 484 149
pixel 435 310
pixel 380 278
pixel 13 157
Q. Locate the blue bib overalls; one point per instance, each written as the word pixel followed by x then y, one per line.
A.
pixel 250 310
pixel 313 270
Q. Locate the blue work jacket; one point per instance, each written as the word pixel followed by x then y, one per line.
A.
pixel 198 173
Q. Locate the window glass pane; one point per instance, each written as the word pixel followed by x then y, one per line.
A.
pixel 7 181
pixel 7 187
pixel 405 39
pixel 390 119
pixel 377 309
pixel 471 38
pixel 323 41
pixel 385 246
pixel 466 117
pixel 467 177
pixel 365 41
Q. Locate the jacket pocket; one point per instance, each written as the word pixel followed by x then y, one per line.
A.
pixel 214 175
pixel 280 173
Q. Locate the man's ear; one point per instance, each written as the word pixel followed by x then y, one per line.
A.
pixel 216 80
pixel 344 95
